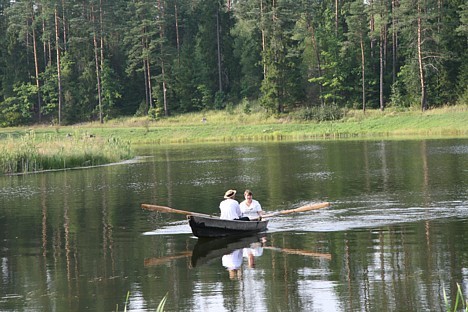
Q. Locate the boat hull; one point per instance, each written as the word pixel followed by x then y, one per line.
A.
pixel 215 227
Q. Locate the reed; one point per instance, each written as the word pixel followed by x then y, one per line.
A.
pixel 31 153
pixel 161 305
pixel 125 304
pixel 460 303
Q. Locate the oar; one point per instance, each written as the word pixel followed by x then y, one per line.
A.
pixel 300 209
pixel 171 210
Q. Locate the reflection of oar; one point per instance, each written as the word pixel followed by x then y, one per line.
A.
pixel 300 209
pixel 301 252
pixel 171 210
pixel 164 260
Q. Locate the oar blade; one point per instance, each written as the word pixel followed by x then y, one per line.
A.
pixel 300 209
pixel 311 207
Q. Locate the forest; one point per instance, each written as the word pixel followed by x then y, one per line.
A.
pixel 71 61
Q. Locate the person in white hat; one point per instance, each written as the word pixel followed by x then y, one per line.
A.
pixel 229 207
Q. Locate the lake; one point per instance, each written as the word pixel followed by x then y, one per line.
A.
pixel 394 238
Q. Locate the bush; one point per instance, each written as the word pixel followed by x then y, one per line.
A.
pixel 155 113
pixel 326 113
pixel 246 106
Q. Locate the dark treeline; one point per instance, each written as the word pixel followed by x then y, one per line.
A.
pixel 69 61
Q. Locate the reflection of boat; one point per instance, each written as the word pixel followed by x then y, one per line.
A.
pixel 207 226
pixel 206 250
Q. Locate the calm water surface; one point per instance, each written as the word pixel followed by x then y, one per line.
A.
pixel 394 239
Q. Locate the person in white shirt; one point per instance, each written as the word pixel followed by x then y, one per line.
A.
pixel 229 207
pixel 250 207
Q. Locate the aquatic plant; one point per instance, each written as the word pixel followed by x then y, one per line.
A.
pixel 160 307
pixel 31 153
pixel 126 303
pixel 162 303
pixel 459 300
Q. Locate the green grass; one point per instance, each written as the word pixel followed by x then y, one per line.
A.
pixel 224 126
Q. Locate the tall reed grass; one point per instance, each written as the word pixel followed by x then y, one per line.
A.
pixel 460 303
pixel 160 307
pixel 31 153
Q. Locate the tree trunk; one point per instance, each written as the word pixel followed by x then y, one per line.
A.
pixel 98 69
pixel 394 41
pixel 420 62
pixel 220 83
pixel 319 65
pixel 166 110
pixel 177 31
pixel 163 72
pixel 372 28
pixel 64 26
pixel 44 45
pixel 363 75
pixel 36 67
pixel 262 26
pixel 101 68
pixel 101 33
pixel 147 72
pixel 59 75
pixel 381 71
pixel 147 100
pixel 336 16
pixel 150 91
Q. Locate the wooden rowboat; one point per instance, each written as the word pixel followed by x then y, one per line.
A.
pixel 204 225
pixel 207 226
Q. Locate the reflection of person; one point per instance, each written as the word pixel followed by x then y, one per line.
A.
pixel 229 207
pixel 250 207
pixel 255 250
pixel 233 262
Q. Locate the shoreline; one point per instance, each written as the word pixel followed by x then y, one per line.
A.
pixel 222 126
pixel 44 147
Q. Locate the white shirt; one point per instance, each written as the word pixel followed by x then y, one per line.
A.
pixel 252 210
pixel 229 209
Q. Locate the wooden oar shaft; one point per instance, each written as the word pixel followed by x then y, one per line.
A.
pixel 300 209
pixel 170 210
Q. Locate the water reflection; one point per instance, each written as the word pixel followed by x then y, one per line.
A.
pixel 394 239
pixel 229 250
pixel 233 262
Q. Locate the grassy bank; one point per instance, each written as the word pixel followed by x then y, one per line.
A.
pixel 222 126
pixel 30 152
pixel 53 147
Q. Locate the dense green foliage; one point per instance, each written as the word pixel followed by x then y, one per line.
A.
pixel 74 61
